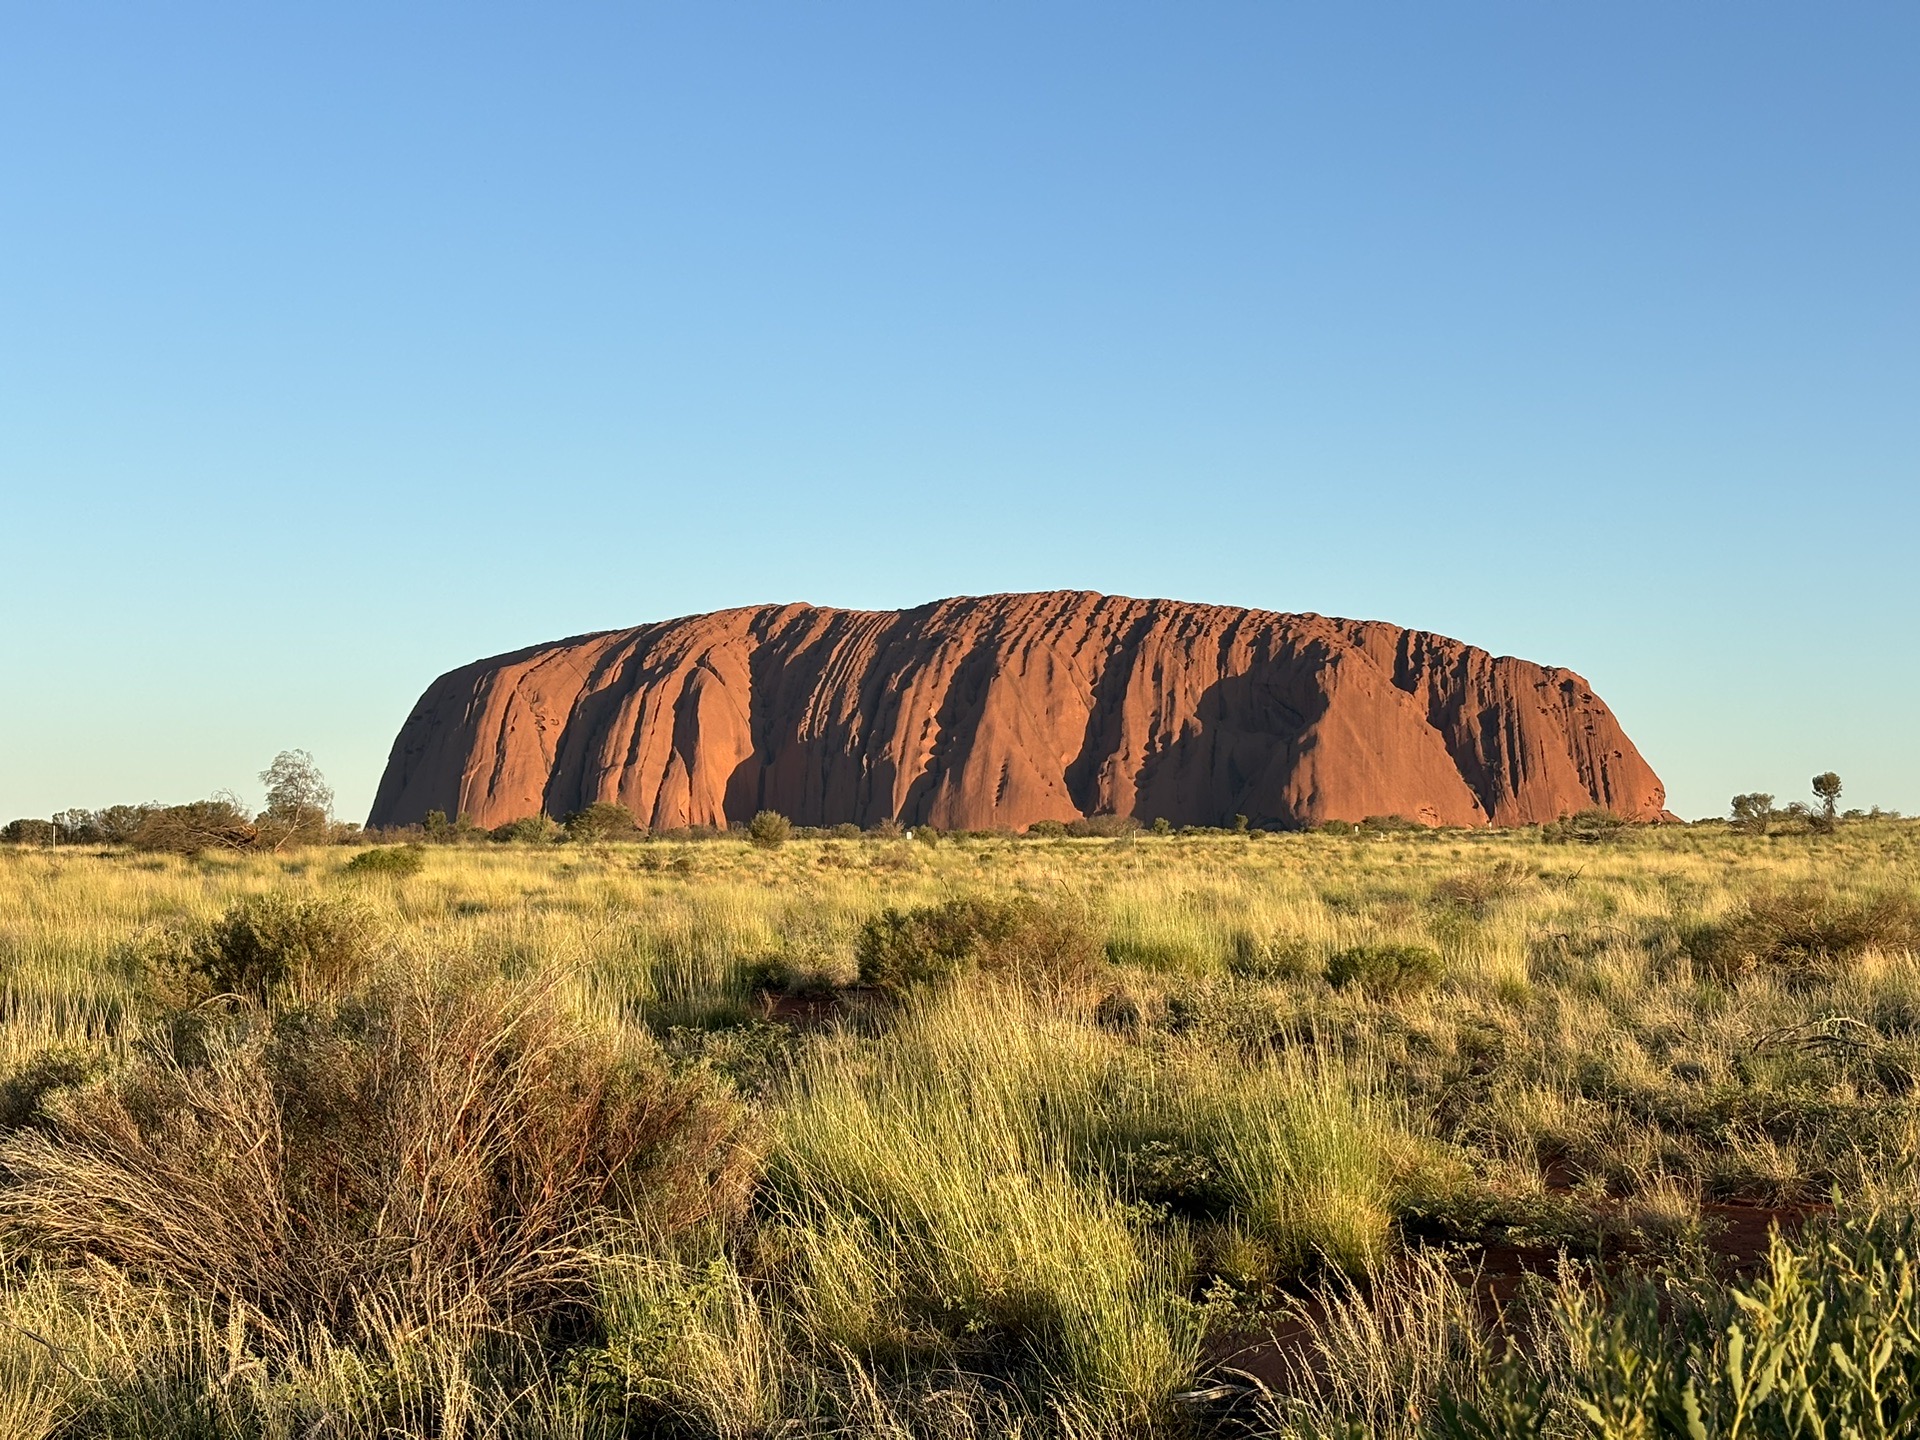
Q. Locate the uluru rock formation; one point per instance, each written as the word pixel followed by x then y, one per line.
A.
pixel 993 712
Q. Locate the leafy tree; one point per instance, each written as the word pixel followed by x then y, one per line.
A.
pixel 76 827
pixel 1826 788
pixel 118 824
pixel 299 800
pixel 1753 813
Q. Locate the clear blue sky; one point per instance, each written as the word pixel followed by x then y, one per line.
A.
pixel 342 344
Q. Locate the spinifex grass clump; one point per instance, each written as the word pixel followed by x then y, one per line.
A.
pixel 1000 1180
pixel 1805 930
pixel 927 1211
pixel 419 1152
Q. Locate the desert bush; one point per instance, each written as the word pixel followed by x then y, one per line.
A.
pixel 268 946
pixel 1047 829
pixel 602 820
pixel 278 943
pixel 1753 813
pixel 1825 1341
pixel 28 832
pixel 1806 930
pixel 1386 972
pixel 216 824
pixel 769 830
pixel 899 951
pixel 420 1153
pixel 397 860
pixel 1106 827
pixel 527 830
pixel 1585 827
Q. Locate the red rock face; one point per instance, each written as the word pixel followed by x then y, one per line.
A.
pixel 997 711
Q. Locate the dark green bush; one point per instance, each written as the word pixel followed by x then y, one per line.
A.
pixel 1047 829
pixel 28 832
pixel 1386 972
pixel 1104 827
pixel 527 830
pixel 396 860
pixel 769 830
pixel 899 951
pixel 280 944
pixel 1806 930
pixel 602 820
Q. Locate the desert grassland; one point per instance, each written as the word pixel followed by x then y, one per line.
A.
pixel 1045 1195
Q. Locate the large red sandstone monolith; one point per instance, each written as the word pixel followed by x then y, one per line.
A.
pixel 992 712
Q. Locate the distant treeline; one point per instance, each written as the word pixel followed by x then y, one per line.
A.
pixel 299 812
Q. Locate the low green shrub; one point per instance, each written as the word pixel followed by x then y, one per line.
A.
pixel 24 1093
pixel 769 830
pixel 268 946
pixel 1103 827
pixel 397 861
pixel 1386 972
pixel 1388 825
pixel 527 830
pixel 1825 1341
pixel 898 951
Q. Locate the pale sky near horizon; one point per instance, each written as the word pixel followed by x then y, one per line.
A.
pixel 341 345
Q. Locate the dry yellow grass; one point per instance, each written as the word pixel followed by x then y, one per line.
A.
pixel 1020 1209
